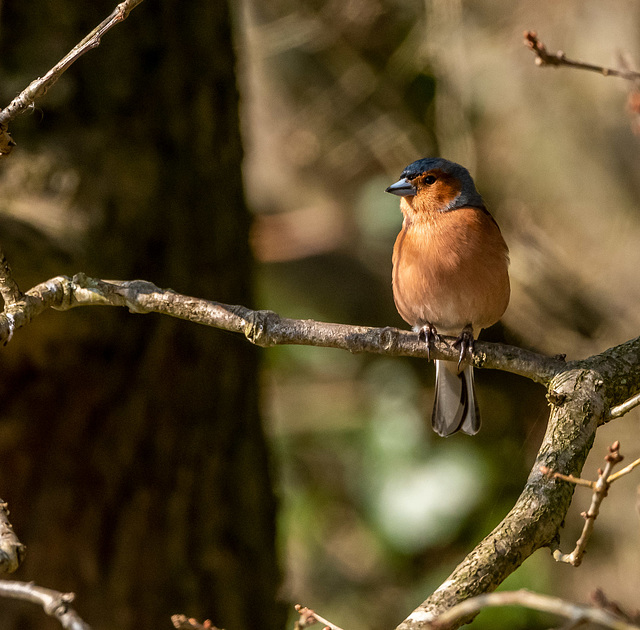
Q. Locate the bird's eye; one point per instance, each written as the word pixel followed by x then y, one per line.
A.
pixel 429 179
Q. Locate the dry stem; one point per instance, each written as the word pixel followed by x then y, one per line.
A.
pixel 600 489
pixel 535 601
pixel 41 85
pixel 545 58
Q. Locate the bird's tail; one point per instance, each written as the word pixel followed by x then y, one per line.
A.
pixel 454 408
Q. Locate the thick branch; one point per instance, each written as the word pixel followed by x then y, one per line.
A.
pixel 264 328
pixel 581 393
pixel 54 603
pixel 540 510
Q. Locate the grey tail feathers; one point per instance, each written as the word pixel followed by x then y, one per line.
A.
pixel 455 407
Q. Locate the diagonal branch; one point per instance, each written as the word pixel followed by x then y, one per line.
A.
pixel 38 88
pixel 625 407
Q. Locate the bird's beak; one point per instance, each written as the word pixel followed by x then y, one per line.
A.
pixel 403 188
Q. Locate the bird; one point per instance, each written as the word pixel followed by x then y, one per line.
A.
pixel 450 277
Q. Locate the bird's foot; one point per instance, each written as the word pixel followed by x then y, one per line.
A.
pixel 465 342
pixel 429 335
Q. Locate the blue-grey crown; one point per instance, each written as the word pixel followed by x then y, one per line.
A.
pixel 468 196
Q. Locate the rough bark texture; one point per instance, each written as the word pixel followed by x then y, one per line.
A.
pixel 581 395
pixel 133 457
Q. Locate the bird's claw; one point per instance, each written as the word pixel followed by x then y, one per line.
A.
pixel 429 335
pixel 465 342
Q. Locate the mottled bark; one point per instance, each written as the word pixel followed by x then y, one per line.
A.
pixel 580 395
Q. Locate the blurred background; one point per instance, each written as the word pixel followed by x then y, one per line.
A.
pixel 130 167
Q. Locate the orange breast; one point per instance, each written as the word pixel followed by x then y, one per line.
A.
pixel 450 270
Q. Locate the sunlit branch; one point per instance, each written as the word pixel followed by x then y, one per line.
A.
pixel 545 58
pixel 54 603
pixel 263 328
pixel 600 489
pixel 309 617
pixel 182 622
pixel 534 601
pixel 38 88
pixel 625 407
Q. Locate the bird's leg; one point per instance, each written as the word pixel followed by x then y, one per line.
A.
pixel 465 342
pixel 429 335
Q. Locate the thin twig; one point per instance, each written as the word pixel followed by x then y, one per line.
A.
pixel 625 407
pixel 545 470
pixel 308 618
pixel 12 551
pixel 534 601
pixel 600 490
pixel 545 58
pixel 37 88
pixel 625 471
pixel 54 603
pixel 182 622
pixel 600 600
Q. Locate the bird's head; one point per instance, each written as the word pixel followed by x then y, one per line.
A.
pixel 436 185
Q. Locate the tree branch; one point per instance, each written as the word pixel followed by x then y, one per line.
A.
pixel 11 549
pixel 309 617
pixel 39 87
pixel 580 396
pixel 182 622
pixel 620 410
pixel 600 490
pixel 580 393
pixel 54 603
pixel 544 58
pixel 535 601
pixel 263 328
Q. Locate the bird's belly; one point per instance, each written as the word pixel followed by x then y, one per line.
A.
pixel 450 297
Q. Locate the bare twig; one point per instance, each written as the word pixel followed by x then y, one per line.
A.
pixel 600 600
pixel 625 407
pixel 545 58
pixel 600 489
pixel 625 471
pixel 37 88
pixel 54 603
pixel 534 601
pixel 11 549
pixel 545 470
pixel 263 328
pixel 308 618
pixel 182 622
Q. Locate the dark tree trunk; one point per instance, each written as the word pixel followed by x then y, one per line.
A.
pixel 131 448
